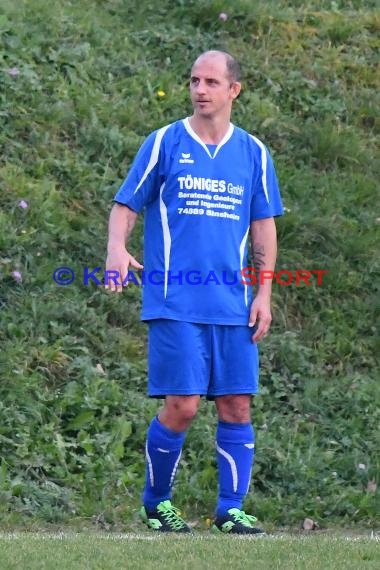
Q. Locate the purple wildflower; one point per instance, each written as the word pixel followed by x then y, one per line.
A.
pixel 13 71
pixel 17 276
pixel 23 204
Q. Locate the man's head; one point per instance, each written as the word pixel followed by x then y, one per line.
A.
pixel 214 84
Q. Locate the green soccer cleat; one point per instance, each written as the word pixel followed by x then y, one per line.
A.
pixel 164 518
pixel 236 522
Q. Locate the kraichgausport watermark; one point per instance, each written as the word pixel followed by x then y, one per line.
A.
pixel 64 276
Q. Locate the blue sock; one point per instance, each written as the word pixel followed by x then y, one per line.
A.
pixel 235 445
pixel 163 452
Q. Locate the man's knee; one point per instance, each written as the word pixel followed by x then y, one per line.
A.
pixel 179 411
pixel 184 407
pixel 234 408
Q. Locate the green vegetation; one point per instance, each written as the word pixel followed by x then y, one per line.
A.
pixel 79 92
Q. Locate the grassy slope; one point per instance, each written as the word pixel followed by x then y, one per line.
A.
pixel 72 391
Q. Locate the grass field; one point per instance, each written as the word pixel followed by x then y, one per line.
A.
pixel 106 551
pixel 82 83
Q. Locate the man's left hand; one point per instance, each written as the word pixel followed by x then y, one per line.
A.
pixel 261 315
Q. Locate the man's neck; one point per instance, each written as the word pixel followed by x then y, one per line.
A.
pixel 210 131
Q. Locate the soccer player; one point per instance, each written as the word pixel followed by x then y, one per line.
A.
pixel 206 186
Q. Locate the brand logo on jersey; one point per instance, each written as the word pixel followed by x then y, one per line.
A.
pixel 210 184
pixel 186 159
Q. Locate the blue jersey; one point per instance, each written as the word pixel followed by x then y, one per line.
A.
pixel 199 203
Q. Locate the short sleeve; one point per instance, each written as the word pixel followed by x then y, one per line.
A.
pixel 266 198
pixel 142 184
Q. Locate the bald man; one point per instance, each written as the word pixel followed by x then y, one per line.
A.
pixel 206 187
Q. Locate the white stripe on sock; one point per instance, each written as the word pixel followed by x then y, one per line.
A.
pixel 175 469
pixel 150 466
pixel 232 463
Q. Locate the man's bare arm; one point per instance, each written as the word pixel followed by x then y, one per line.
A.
pixel 121 223
pixel 264 247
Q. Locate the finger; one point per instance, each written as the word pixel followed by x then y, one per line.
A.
pixel 121 280
pixel 126 275
pixel 259 334
pixel 135 263
pixel 262 330
pixel 112 285
pixel 113 280
pixel 252 318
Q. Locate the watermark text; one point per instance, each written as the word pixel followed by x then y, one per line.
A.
pixel 248 276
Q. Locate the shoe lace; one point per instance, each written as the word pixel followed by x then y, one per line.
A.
pixel 171 515
pixel 244 519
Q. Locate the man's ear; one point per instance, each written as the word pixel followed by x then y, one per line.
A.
pixel 235 89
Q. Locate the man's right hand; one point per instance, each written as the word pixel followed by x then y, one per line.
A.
pixel 119 260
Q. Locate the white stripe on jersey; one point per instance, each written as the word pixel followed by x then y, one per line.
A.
pixel 194 135
pixel 242 252
pixel 167 237
pixel 263 165
pixel 154 155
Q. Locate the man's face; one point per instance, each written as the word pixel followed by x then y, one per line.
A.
pixel 211 90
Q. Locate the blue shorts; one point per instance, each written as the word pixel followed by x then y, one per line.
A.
pixel 207 360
